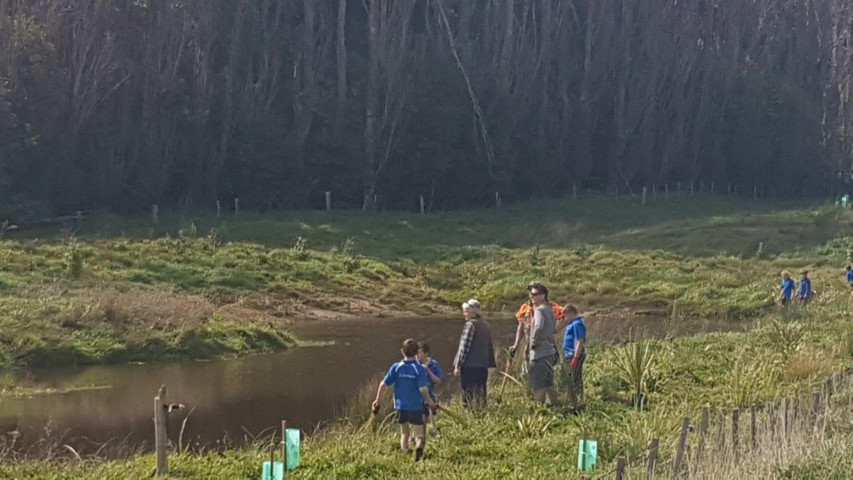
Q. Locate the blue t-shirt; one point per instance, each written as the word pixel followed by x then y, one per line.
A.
pixel 575 331
pixel 787 288
pixel 436 370
pixel 850 276
pixel 407 377
pixel 805 288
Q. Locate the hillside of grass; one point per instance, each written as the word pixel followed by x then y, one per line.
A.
pixel 108 289
pixel 786 354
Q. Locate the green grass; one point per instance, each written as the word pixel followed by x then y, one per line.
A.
pixel 519 440
pixel 121 289
pixel 685 257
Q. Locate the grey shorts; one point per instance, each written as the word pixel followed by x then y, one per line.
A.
pixel 541 372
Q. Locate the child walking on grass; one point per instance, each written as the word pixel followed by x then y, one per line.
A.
pixel 410 382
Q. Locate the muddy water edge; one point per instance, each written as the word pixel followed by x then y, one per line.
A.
pixel 230 401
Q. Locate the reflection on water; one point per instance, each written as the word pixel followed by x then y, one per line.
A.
pixel 303 386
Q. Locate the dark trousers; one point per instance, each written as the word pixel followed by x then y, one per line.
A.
pixel 474 386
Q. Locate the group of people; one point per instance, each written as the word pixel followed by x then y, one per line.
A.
pixel 415 377
pixel 804 292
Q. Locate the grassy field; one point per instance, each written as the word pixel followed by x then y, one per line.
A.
pixel 785 354
pixel 120 289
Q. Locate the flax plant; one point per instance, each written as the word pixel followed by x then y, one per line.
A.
pixel 635 363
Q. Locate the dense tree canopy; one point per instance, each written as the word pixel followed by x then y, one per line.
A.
pixel 122 104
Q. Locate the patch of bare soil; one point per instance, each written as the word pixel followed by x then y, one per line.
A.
pixel 158 308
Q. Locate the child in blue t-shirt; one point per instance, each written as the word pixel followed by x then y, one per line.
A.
pixel 409 380
pixel 805 292
pixel 787 288
pixel 434 373
pixel 574 352
pixel 850 276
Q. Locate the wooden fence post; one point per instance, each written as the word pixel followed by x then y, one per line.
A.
pixel 653 459
pixel 735 433
pixel 815 406
pixel 621 464
pixel 679 453
pixel 753 428
pixel 160 439
pixel 644 195
pixel 218 209
pixel 422 204
pixel 329 201
pixel 236 206
pixel 721 429
pixel 155 213
pixel 795 413
pixel 497 200
pixel 783 419
pixel 666 190
pixel 703 433
pixel 771 416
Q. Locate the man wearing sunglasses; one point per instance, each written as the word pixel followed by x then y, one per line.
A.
pixel 542 353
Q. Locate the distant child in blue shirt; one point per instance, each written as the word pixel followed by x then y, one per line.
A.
pixel 574 351
pixel 850 276
pixel 435 375
pixel 805 292
pixel 787 288
pixel 410 382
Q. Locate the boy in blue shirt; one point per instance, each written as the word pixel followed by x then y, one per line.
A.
pixel 787 288
pixel 805 292
pixel 435 375
pixel 410 382
pixel 574 351
pixel 850 276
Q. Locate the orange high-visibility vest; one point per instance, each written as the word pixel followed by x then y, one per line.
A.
pixel 525 312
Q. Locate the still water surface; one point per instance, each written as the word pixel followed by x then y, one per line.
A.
pixel 305 386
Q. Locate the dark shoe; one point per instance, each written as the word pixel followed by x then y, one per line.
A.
pixel 419 454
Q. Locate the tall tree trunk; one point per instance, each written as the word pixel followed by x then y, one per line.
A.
pixel 371 102
pixel 341 116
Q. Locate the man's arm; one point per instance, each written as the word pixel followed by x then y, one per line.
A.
pixel 464 346
pixel 519 336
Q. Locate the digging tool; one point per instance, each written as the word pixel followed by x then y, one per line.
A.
pixel 435 432
pixel 506 377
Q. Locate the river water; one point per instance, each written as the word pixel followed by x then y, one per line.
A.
pixel 238 398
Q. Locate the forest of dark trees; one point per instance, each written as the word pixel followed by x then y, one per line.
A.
pixel 121 104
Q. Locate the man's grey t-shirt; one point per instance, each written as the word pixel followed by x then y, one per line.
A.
pixel 542 332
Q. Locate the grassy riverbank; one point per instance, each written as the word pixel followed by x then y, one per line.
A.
pixel 122 289
pixel 784 354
